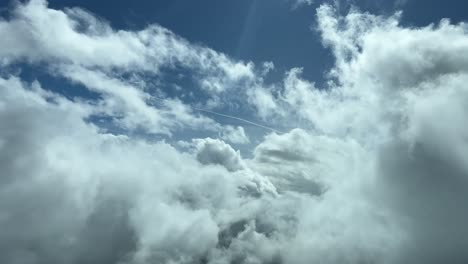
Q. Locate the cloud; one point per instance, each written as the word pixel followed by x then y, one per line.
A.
pixel 398 93
pixel 235 135
pixel 74 36
pixel 298 3
pixel 79 188
pixel 409 81
pixel 213 151
pixel 309 162
pixel 263 100
pixel 376 173
pixel 84 49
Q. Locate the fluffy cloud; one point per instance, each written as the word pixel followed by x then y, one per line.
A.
pixel 213 151
pixel 235 135
pixel 80 47
pixel 398 94
pixel 73 194
pixel 377 172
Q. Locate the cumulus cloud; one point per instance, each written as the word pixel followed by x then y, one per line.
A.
pixel 235 135
pixel 377 172
pixel 215 151
pixel 397 93
pixel 67 189
pixel 84 49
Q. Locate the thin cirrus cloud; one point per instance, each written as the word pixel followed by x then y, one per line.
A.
pixel 377 172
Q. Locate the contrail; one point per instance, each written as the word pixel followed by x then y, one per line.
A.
pixel 240 119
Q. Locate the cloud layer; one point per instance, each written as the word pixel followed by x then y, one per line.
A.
pixel 375 171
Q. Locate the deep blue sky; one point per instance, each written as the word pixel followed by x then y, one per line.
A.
pixel 256 30
pixel 250 30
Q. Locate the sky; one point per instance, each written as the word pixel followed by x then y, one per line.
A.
pixel 233 132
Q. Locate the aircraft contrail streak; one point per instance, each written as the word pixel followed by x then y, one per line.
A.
pixel 240 119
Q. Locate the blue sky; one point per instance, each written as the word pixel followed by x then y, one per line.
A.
pixel 257 31
pixel 233 132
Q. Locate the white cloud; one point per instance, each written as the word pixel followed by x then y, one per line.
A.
pixel 76 45
pixel 61 179
pixel 214 151
pixel 314 161
pixel 398 93
pixel 73 36
pixel 235 135
pixel 377 174
pixel 263 100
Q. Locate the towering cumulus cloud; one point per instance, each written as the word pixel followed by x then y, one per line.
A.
pixel 377 173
